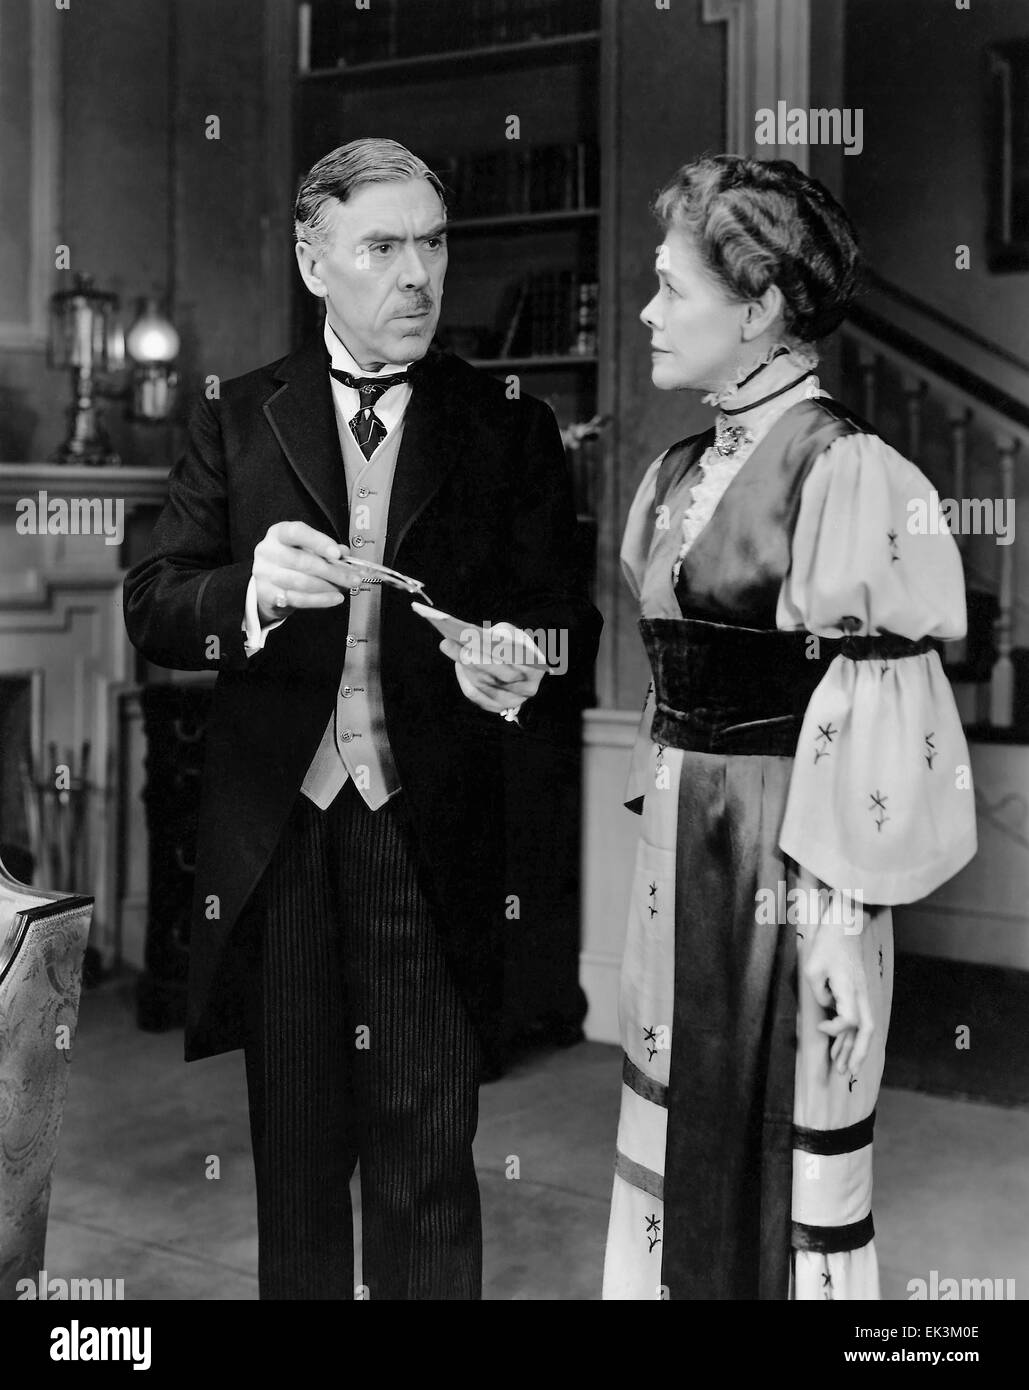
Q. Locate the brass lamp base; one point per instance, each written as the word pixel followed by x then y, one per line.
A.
pixel 87 442
pixel 96 456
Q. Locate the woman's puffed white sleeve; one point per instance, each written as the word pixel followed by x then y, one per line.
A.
pixel 880 804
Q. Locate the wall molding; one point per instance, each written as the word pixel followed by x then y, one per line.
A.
pixel 611 728
pixel 279 20
pixel 74 648
pixel 768 59
pixel 43 86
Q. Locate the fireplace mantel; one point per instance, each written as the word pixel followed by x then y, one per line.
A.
pixel 137 487
pixel 62 631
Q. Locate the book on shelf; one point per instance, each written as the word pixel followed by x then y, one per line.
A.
pixel 551 178
pixel 587 174
pixel 554 314
pixel 493 23
pixel 516 179
pixel 341 36
pixel 584 340
pixel 522 21
pixel 511 331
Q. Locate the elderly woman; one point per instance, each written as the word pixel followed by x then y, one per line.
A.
pixel 801 764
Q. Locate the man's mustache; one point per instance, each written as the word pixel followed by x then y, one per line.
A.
pixel 421 306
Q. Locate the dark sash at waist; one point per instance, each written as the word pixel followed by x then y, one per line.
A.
pixel 726 689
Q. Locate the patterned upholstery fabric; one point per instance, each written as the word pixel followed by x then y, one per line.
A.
pixel 42 942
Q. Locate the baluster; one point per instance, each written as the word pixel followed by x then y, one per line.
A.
pixel 1002 678
pixel 868 362
pixel 914 395
pixel 960 417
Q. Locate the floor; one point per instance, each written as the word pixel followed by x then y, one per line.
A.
pixel 958 1030
pixel 132 1198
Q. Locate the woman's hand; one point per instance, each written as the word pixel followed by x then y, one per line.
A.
pixel 835 970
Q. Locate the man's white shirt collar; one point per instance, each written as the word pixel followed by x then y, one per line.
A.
pixel 391 404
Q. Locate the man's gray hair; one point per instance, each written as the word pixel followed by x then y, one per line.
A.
pixel 344 170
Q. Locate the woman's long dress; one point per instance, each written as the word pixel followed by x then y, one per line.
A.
pixel 767 1188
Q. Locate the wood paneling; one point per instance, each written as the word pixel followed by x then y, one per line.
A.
pixel 149 206
pixel 669 99
pixel 232 197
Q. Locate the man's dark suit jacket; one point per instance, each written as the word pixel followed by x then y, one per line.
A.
pixel 481 512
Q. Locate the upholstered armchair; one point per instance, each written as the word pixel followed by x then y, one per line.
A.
pixel 42 942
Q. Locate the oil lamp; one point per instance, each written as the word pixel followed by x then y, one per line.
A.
pixel 153 345
pixel 85 339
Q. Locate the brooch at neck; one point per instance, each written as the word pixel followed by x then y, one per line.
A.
pixel 729 439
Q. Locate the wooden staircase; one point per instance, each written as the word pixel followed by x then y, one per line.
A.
pixel 970 437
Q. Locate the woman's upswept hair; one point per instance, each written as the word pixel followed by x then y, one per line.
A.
pixel 757 223
pixel 344 170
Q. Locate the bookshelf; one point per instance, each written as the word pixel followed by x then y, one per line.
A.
pixel 516 221
pixel 484 57
pixel 458 81
pixel 455 81
pixel 537 363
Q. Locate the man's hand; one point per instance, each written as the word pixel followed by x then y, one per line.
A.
pixel 291 570
pixel 489 681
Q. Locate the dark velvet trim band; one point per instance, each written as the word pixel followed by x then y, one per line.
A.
pixel 887 646
pixel 831 1142
pixel 742 410
pixel 833 1240
pixel 636 1081
pixel 637 1176
pixel 722 688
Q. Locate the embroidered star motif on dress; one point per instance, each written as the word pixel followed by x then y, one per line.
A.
pixel 823 739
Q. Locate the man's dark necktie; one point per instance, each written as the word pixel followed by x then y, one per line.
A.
pixel 366 427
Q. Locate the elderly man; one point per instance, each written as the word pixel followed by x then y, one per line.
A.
pixel 349 885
